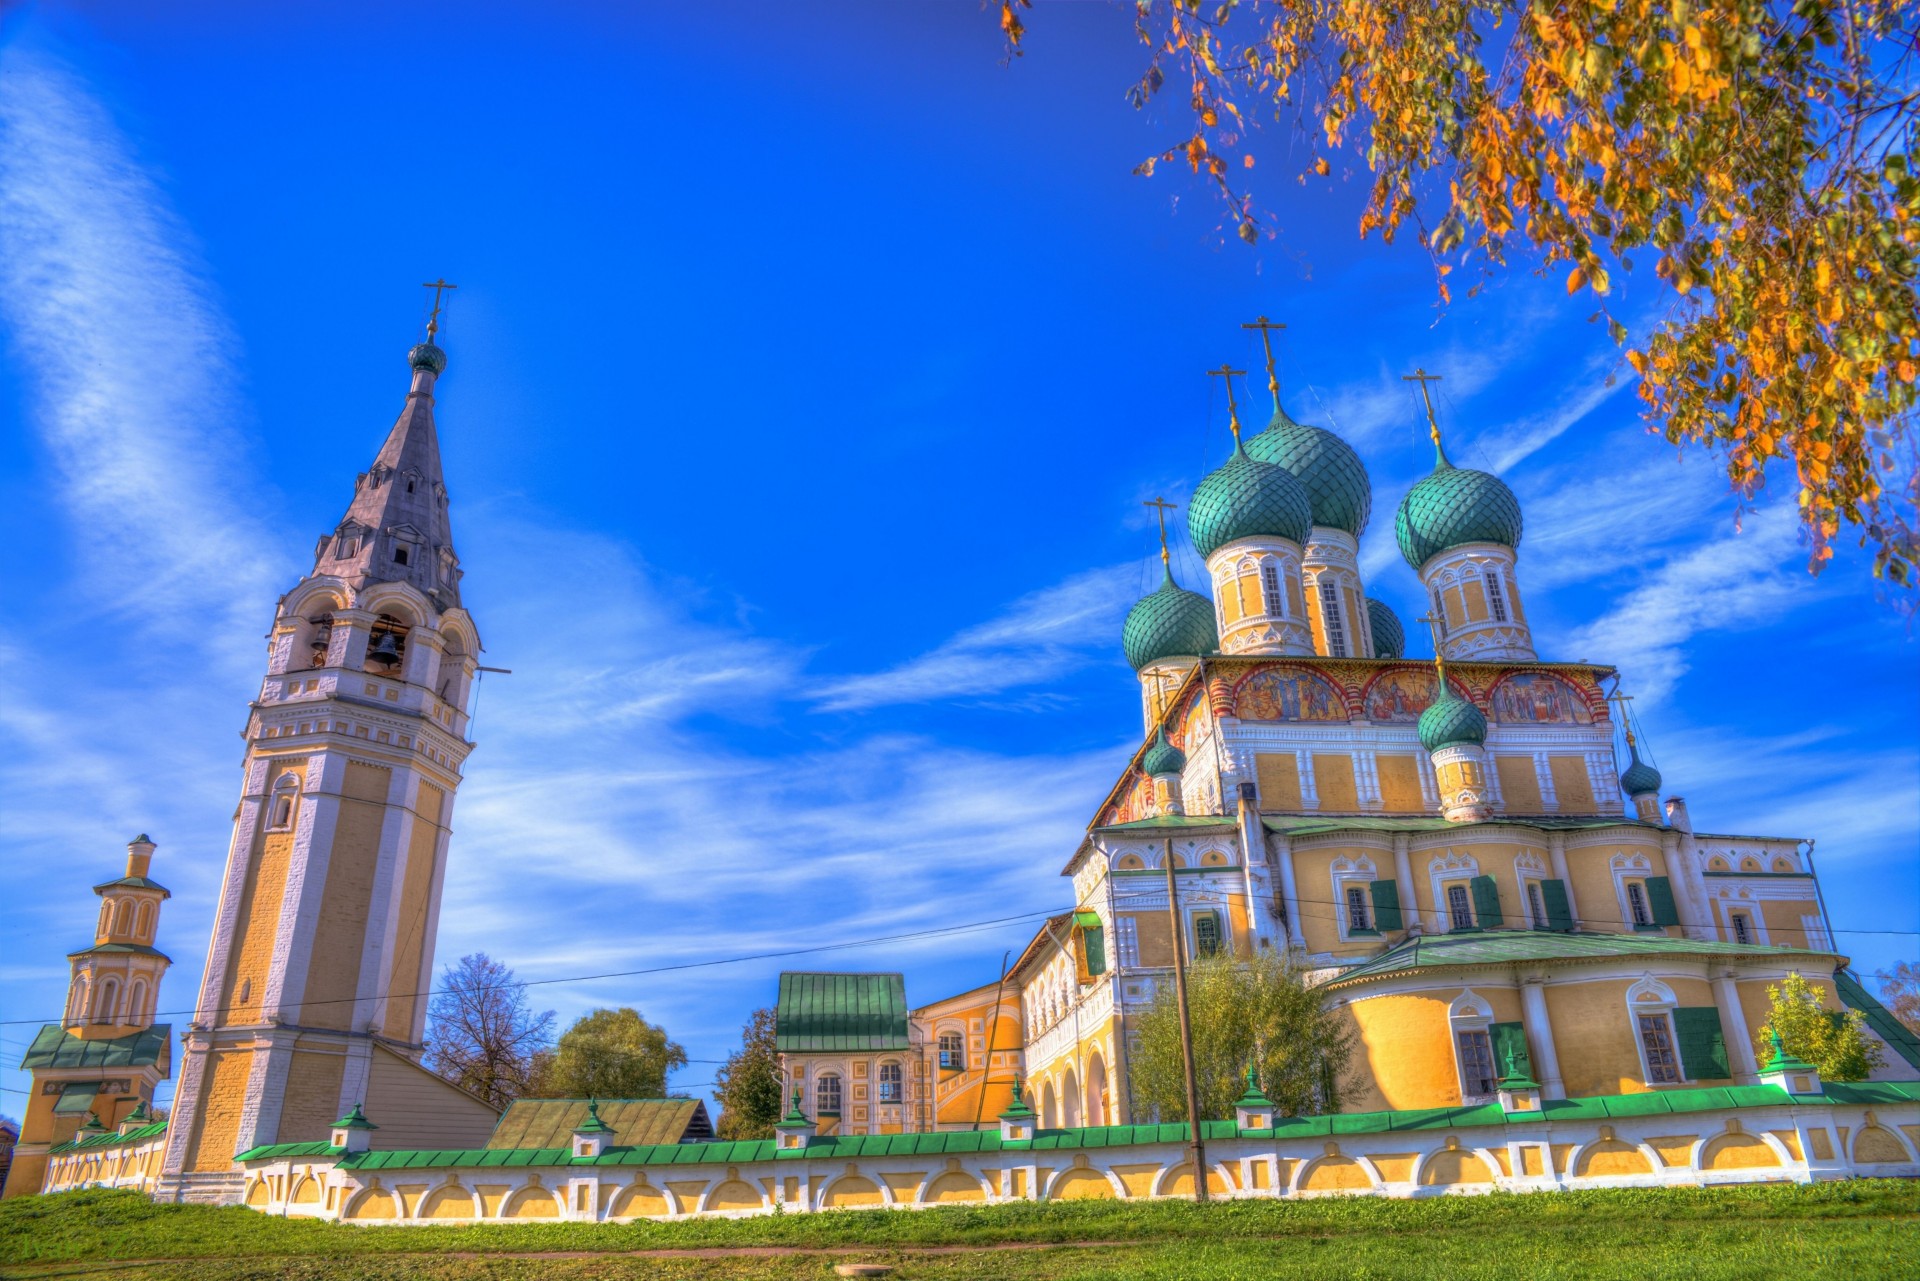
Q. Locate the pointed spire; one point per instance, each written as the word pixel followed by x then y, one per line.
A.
pixel 397 528
pixel 593 1124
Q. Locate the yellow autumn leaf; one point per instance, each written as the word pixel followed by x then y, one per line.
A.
pixel 1575 279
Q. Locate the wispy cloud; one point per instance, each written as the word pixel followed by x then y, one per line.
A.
pixel 1041 637
pixel 109 309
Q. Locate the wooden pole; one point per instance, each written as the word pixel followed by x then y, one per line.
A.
pixel 1199 1145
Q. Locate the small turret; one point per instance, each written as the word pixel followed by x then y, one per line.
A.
pixel 1454 731
pixel 1167 632
pixel 1164 764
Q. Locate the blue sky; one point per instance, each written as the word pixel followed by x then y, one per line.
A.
pixel 807 376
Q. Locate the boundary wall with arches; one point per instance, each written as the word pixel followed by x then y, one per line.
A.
pixel 1744 1134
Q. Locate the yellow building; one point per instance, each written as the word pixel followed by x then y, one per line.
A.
pixel 94 1073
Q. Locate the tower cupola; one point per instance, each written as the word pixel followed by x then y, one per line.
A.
pixel 1166 632
pixel 1250 521
pixel 1164 763
pixel 1454 732
pixel 1460 531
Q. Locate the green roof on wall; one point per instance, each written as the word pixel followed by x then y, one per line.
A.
pixel 829 1012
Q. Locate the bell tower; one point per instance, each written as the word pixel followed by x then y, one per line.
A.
pixel 313 998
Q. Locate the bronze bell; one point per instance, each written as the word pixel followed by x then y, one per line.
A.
pixel 385 650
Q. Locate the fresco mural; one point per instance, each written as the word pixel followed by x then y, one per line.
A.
pixel 1194 727
pixel 1283 695
pixel 1539 698
pixel 1400 697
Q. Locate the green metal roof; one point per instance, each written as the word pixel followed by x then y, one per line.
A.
pixel 1454 506
pixel 847 1147
pixel 112 1139
pixel 55 1047
pixel 828 1012
pixel 1503 947
pixel 1340 494
pixel 1171 823
pixel 121 949
pixel 1169 622
pixel 546 1123
pixel 1163 757
pixel 1451 719
pixel 1247 498
pixel 133 883
pixel 1639 777
pixel 1854 995
pixel 1305 825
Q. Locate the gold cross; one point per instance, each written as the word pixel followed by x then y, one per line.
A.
pixel 1439 662
pixel 1266 328
pixel 1233 408
pixel 1164 507
pixel 439 287
pixel 1422 377
pixel 1623 700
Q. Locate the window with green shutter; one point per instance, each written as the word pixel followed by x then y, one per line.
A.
pixel 1486 902
pixel 1559 911
pixel 1703 1047
pixel 1511 1037
pixel 1386 905
pixel 1094 940
pixel 1660 898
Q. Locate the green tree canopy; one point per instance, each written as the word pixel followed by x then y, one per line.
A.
pixel 1257 1010
pixel 609 1054
pixel 1835 1043
pixel 748 1086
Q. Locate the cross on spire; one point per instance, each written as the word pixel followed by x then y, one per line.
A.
pixel 1623 700
pixel 1439 659
pixel 1266 328
pixel 1162 507
pixel 1233 407
pixel 1422 377
pixel 439 287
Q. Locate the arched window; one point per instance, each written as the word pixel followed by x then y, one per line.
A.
pixel 105 1003
pixel 892 1083
pixel 280 811
pixel 1206 933
pixel 143 922
pixel 826 1095
pixel 953 1052
pixel 1270 593
pixel 1330 619
pixel 137 1002
pixel 106 916
pixel 123 917
pixel 1496 599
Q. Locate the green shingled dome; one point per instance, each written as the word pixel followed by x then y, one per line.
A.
pixel 1452 507
pixel 427 356
pixel 1640 777
pixel 1389 638
pixel 1163 757
pixel 1169 623
pixel 1326 466
pixel 1451 720
pixel 1247 498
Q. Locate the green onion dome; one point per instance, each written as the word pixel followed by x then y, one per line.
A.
pixel 1163 757
pixel 427 356
pixel 1451 720
pixel 1247 498
pixel 1452 507
pixel 1326 466
pixel 1389 638
pixel 1640 777
pixel 1169 623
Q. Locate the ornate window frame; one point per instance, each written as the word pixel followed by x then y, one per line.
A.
pixel 1450 868
pixel 1650 998
pixel 1469 1012
pixel 1347 872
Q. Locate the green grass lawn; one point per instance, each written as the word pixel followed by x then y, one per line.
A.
pixel 1855 1230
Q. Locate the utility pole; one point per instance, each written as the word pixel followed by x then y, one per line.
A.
pixel 1199 1145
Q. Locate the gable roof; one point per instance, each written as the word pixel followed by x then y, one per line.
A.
pixel 827 1012
pixel 55 1047
pixel 1504 947
pixel 549 1123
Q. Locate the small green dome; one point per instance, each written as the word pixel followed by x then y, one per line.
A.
pixel 1163 757
pixel 1452 507
pixel 1326 466
pixel 1389 638
pixel 427 356
pixel 1640 777
pixel 1450 720
pixel 1171 622
pixel 1247 498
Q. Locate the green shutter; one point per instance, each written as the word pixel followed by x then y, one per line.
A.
pixel 1559 912
pixel 1660 898
pixel 1095 941
pixel 1486 902
pixel 1703 1048
pixel 1386 905
pixel 1511 1036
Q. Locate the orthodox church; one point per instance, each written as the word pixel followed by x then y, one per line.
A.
pixel 1552 977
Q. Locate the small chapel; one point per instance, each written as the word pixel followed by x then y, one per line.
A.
pixel 1553 976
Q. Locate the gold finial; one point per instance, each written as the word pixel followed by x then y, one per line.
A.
pixel 1266 328
pixel 1422 377
pixel 439 287
pixel 1163 507
pixel 1233 407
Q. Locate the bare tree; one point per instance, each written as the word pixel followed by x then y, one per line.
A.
pixel 482 1034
